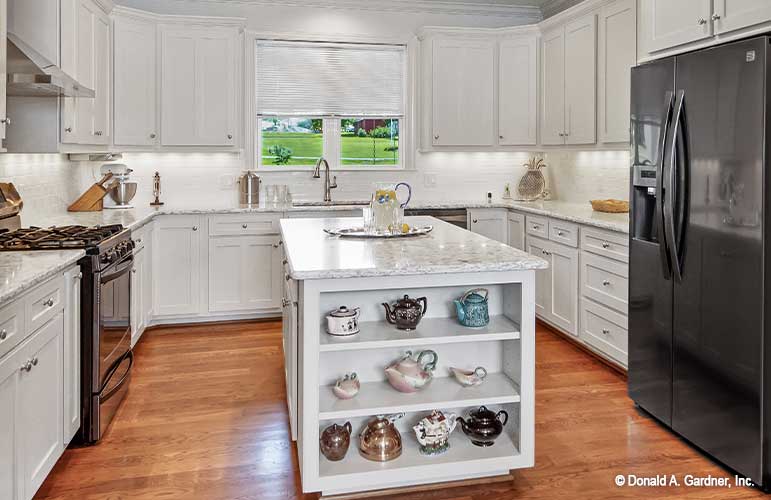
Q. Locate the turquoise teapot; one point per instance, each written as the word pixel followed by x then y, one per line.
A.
pixel 472 308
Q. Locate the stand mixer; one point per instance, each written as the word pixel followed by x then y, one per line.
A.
pixel 123 189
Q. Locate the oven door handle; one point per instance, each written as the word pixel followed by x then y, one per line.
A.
pixel 123 268
pixel 108 395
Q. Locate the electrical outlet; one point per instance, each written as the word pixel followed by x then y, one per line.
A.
pixel 429 180
pixel 226 182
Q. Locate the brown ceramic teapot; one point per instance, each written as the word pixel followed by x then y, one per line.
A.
pixel 406 312
pixel 334 441
pixel 482 426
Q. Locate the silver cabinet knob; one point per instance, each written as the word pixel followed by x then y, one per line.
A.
pixel 286 277
pixel 49 303
pixel 152 136
pixel 536 226
pixel 134 270
pixel 500 137
pixel 195 228
pixel 27 366
pixel 605 283
pixel 560 233
pixel 715 17
pixel 244 226
pixel 230 136
pixel 605 244
pixel 436 137
pixel 79 276
pixel 68 130
pixel 284 302
pixel 34 361
pixel 3 334
pixel 275 245
pixel 702 21
pixel 474 221
pixel 605 331
pixel 6 121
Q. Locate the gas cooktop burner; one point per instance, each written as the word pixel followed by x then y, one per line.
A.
pixel 35 238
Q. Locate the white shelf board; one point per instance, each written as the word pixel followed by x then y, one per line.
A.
pixel 462 457
pixel 430 331
pixel 377 398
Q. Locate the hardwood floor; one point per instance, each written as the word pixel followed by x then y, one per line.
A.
pixel 206 419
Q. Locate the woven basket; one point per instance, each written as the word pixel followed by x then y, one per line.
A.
pixel 610 206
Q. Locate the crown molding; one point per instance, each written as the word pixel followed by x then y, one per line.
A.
pixel 525 29
pixel 573 9
pixel 105 5
pixel 529 14
pixel 143 15
pixel 553 7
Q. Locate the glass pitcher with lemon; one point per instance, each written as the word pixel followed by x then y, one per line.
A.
pixel 386 211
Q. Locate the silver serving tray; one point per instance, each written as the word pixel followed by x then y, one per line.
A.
pixel 360 232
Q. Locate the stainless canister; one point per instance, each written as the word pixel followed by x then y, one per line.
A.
pixel 249 188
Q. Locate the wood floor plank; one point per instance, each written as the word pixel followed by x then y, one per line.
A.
pixel 206 419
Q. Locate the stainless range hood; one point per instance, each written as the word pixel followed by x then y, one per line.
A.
pixel 30 74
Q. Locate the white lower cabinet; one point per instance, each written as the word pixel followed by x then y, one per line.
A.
pixel 177 276
pixel 137 294
pixel 72 402
pixel 557 289
pixel 516 230
pixel 9 388
pixel 244 273
pixel 489 222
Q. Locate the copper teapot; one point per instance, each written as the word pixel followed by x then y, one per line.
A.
pixel 380 440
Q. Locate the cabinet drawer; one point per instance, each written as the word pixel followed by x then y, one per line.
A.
pixel 563 232
pixel 605 281
pixel 605 243
pixel 11 326
pixel 537 226
pixel 236 224
pixel 44 302
pixel 605 330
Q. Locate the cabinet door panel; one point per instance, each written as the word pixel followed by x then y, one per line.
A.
pixel 177 266
pixel 84 107
pixel 489 224
pixel 215 83
pixel 553 94
pixel 71 361
pixel 737 14
pixel 40 432
pixel 9 380
pixel 463 93
pixel 137 295
pixel 581 80
pixel 102 71
pixel 669 24
pixel 543 278
pixel 516 230
pixel 225 274
pixel 517 92
pixel 178 82
pixel 244 273
pixel 135 83
pixel 564 287
pixel 617 55
pixel 262 281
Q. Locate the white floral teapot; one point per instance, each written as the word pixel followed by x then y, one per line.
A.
pixel 433 432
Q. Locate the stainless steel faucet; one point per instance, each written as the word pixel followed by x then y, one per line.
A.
pixel 328 186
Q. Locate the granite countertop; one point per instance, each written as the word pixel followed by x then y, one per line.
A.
pixel 134 218
pixel 313 254
pixel 20 271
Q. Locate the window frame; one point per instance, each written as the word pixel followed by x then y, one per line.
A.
pixel 331 127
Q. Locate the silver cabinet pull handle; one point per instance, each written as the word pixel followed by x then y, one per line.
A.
pixel 715 17
pixel 702 21
pixel 195 228
pixel 3 334
pixel 605 331
pixel 605 283
pixel 6 121
pixel 68 130
pixel 284 302
pixel 605 244
pixel 49 303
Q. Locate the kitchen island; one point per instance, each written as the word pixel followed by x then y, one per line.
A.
pixel 324 272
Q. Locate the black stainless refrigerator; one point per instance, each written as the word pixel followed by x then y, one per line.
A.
pixel 699 342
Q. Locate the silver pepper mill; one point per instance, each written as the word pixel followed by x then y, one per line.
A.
pixel 157 190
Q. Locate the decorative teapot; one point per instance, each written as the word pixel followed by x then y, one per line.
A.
pixel 406 312
pixel 334 441
pixel 483 426
pixel 433 432
pixel 380 440
pixel 343 321
pixel 472 308
pixel 411 375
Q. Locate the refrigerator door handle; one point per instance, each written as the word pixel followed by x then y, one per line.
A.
pixel 659 212
pixel 672 195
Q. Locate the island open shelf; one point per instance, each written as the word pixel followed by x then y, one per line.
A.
pixel 364 274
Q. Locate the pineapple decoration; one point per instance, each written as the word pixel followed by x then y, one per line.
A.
pixel 532 185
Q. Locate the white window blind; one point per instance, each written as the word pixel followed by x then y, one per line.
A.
pixel 323 79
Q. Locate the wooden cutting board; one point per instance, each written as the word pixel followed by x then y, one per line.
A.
pixel 91 200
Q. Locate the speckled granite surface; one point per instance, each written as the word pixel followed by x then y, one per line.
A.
pixel 313 254
pixel 20 271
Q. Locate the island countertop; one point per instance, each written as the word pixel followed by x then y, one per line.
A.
pixel 313 254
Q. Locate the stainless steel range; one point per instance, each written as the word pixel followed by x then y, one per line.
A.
pixel 106 356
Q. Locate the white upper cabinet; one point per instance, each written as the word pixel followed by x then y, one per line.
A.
pixel 675 23
pixel 517 91
pixel 135 82
pixel 198 86
pixel 581 80
pixel 617 55
pixel 463 84
pixel 730 15
pixel 3 70
pixel 102 85
pixel 553 93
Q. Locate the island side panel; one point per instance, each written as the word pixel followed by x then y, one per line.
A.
pixel 308 438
